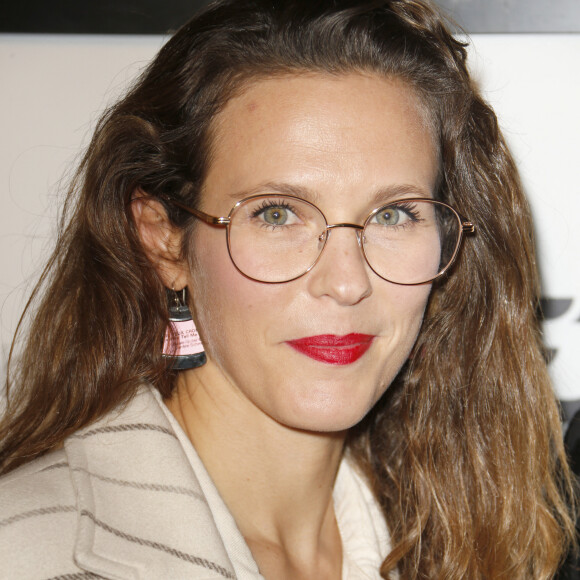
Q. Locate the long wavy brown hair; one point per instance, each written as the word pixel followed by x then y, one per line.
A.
pixel 464 451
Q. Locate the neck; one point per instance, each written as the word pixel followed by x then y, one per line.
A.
pixel 276 481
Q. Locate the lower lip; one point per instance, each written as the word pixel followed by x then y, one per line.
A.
pixel 334 350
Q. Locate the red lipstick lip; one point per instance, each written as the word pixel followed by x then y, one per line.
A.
pixel 334 349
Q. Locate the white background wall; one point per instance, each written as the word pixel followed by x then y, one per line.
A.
pixel 53 87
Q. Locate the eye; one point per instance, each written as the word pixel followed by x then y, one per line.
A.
pixel 274 213
pixel 390 216
pixel 401 214
pixel 275 216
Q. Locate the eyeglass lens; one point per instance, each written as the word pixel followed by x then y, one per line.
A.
pixel 276 238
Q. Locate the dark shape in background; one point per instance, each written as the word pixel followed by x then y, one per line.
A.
pixel 551 308
pixel 97 16
pixel 571 568
pixel 164 17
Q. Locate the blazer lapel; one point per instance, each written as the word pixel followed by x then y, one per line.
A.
pixel 142 514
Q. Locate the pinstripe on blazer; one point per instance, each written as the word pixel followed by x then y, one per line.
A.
pixel 120 500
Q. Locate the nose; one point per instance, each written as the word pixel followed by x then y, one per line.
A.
pixel 341 272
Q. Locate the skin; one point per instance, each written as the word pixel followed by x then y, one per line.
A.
pixel 269 422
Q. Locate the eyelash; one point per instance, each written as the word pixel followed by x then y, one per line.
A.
pixel 267 204
pixel 408 209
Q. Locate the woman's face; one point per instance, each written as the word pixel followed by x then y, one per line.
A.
pixel 349 144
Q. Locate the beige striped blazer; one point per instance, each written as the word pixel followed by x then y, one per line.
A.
pixel 120 500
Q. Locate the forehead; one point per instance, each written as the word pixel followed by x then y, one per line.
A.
pixel 316 130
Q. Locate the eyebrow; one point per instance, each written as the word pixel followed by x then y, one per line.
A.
pixel 277 187
pixel 380 197
pixel 398 191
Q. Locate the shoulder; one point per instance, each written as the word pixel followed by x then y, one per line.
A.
pixel 38 519
pixel 52 462
pixel 115 503
pixel 35 487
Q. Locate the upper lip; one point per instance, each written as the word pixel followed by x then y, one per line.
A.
pixel 335 340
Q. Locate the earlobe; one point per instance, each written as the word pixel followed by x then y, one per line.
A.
pixel 160 238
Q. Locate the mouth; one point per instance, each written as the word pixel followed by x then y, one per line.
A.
pixel 333 349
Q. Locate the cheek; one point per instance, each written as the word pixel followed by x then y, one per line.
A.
pixel 225 302
pixel 407 306
pixel 208 277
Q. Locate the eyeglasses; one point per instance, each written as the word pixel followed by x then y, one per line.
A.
pixel 276 238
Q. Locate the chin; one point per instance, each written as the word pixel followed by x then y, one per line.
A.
pixel 329 416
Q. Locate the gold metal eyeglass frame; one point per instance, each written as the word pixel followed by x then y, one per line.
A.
pixel 466 227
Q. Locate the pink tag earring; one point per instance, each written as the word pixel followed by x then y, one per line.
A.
pixel 188 353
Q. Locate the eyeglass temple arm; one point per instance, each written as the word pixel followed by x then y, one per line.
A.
pixel 466 226
pixel 209 219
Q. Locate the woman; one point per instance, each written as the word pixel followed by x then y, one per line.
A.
pixel 374 401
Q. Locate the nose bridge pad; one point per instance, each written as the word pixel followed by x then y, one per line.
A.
pixel 358 230
pixel 348 282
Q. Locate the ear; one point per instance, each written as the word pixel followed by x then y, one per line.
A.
pixel 161 239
